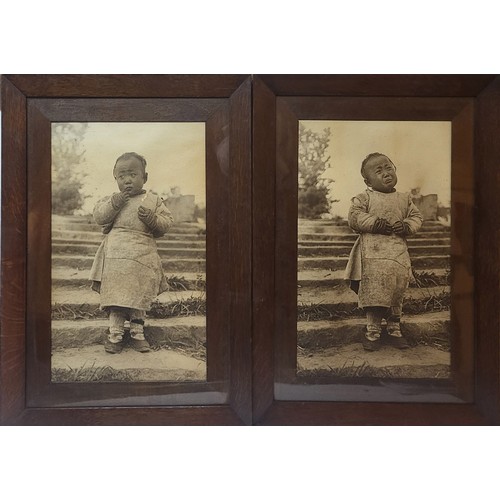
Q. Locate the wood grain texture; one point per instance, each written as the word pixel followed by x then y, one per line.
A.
pixel 13 272
pixel 240 231
pixel 375 108
pixel 209 415
pixel 462 251
pixel 263 226
pixel 487 262
pixel 287 184
pixel 218 133
pixel 378 85
pixel 129 110
pixel 134 86
pixel 315 413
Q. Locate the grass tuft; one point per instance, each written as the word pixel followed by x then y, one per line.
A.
pixel 89 374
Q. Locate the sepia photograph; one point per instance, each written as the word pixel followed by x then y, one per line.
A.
pixel 374 225
pixel 128 252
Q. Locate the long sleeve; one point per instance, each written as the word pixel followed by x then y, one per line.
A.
pixel 414 218
pixel 104 211
pixel 359 219
pixel 164 219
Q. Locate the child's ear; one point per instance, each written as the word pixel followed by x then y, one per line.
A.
pixel 145 177
pixel 367 183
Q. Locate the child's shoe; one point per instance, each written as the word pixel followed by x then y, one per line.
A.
pixel 371 340
pixel 397 342
pixel 395 337
pixel 140 345
pixel 113 347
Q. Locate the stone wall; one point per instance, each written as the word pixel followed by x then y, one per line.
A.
pixel 182 208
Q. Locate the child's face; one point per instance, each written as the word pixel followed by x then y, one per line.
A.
pixel 380 174
pixel 130 176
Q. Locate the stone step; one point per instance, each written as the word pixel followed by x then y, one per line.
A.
pixel 78 364
pixel 411 242
pixel 323 278
pixel 66 276
pixel 341 295
pixel 343 222
pixel 85 295
pixel 89 220
pixel 351 236
pixel 329 304
pixel 183 332
pixel 90 227
pixel 336 263
pixel 87 236
pixel 170 265
pixel 431 329
pixel 344 250
pixel 335 229
pixel 352 361
pixel 90 249
pixel 161 243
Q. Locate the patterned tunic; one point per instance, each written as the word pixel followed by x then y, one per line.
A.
pixel 381 263
pixel 127 269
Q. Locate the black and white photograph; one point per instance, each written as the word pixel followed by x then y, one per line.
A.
pixel 128 252
pixel 374 225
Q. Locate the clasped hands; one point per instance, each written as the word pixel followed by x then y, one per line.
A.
pixel 382 226
pixel 146 215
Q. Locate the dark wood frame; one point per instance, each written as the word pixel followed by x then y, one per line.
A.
pixel 29 105
pixel 473 105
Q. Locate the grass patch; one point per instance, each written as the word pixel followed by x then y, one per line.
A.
pixel 192 306
pixel 90 374
pixel 424 279
pixel 363 370
pixel 81 311
pixel 432 302
pixel 176 283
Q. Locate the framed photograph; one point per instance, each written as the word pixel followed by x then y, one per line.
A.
pixel 126 294
pixel 373 201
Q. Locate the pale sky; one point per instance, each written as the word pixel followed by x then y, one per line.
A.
pixel 175 153
pixel 420 150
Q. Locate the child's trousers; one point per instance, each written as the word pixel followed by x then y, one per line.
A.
pixel 374 316
pixel 117 318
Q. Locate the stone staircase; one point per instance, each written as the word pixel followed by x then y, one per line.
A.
pixel 330 325
pixel 175 327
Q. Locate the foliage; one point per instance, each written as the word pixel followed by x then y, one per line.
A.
pixel 67 162
pixel 314 189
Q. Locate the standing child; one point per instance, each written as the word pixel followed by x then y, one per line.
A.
pixel 127 270
pixel 379 264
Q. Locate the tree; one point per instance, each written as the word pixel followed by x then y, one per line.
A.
pixel 314 189
pixel 67 173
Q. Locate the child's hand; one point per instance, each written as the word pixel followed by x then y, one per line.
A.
pixel 119 199
pixel 381 226
pixel 399 228
pixel 147 216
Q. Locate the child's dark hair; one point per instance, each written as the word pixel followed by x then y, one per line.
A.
pixel 368 158
pixel 127 156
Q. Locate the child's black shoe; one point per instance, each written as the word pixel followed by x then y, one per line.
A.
pixel 371 345
pixel 140 345
pixel 112 347
pixel 397 342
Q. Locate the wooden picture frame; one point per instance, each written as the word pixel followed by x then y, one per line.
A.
pixel 29 105
pixel 472 104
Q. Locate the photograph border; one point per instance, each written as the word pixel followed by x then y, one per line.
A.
pixel 21 219
pixel 276 249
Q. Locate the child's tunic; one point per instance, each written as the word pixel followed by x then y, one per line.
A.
pixel 127 265
pixel 381 263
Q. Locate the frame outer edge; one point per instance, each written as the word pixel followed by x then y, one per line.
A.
pixel 13 278
pixel 487 238
pixel 241 250
pixel 263 222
